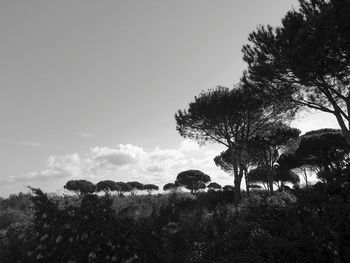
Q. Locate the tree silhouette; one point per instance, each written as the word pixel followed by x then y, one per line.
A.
pixel 306 60
pixel 261 150
pixel 265 147
pixel 214 186
pixel 122 188
pixel 323 149
pixel 229 117
pixel 224 161
pixel 107 186
pixel 170 187
pixel 80 187
pixel 193 180
pixel 279 177
pixel 135 187
pixel 228 188
pixel 150 188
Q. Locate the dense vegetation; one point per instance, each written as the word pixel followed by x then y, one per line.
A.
pixel 281 216
pixel 302 225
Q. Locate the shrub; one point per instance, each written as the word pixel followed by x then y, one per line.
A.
pixel 90 232
pixel 10 216
pixel 20 201
pixel 17 243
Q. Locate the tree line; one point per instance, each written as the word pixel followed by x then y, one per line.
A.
pixel 84 187
pixel 323 152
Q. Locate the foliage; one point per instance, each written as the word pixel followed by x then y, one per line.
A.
pixel 170 187
pixel 80 187
pixel 135 187
pixel 223 160
pixel 279 176
pixel 122 188
pixel 88 233
pixel 150 188
pixel 214 186
pixel 10 216
pixel 266 146
pixel 302 225
pixel 231 118
pixel 193 180
pixel 107 186
pixel 17 242
pixel 306 59
pixel 323 150
pixel 228 188
pixel 20 201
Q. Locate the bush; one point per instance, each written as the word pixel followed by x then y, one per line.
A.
pixel 90 232
pixel 18 201
pixel 10 216
pixel 17 243
pixel 303 225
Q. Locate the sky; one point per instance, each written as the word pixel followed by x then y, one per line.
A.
pixel 89 89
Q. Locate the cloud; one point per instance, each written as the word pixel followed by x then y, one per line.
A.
pixel 21 143
pixel 189 146
pixel 117 156
pixel 84 135
pixel 127 162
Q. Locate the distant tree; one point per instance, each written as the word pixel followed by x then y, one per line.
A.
pixel 303 172
pixel 285 176
pixel 193 180
pixel 299 165
pixel 266 147
pixel 261 149
pixel 150 188
pixel 200 186
pixel 306 59
pixel 223 160
pixel 170 187
pixel 80 187
pixel 259 175
pixel 280 177
pixel 135 187
pixel 214 186
pixel 229 117
pixel 326 147
pixel 318 150
pixel 123 188
pixel 228 188
pixel 106 186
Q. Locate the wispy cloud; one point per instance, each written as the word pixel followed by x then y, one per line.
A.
pixel 84 135
pixel 21 143
pixel 31 144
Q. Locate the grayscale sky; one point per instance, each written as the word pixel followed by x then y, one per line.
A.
pixel 88 89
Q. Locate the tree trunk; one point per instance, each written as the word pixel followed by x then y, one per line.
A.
pixel 246 182
pixel 270 179
pixel 238 180
pixel 345 130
